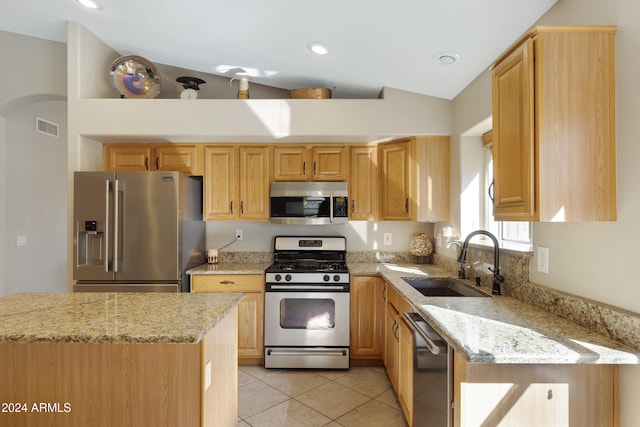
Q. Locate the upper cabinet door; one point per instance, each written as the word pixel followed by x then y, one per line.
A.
pixel 255 167
pixel 363 187
pixel 330 163
pixel 554 126
pixel 220 180
pixel 127 158
pixel 395 180
pixel 291 163
pixel 181 158
pixel 513 143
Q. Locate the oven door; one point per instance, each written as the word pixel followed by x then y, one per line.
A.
pixel 306 319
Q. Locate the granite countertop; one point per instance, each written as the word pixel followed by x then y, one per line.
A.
pixel 230 268
pixel 112 317
pixel 501 329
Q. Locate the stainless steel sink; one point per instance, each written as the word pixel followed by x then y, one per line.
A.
pixel 442 287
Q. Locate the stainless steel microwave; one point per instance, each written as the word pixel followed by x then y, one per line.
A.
pixel 309 202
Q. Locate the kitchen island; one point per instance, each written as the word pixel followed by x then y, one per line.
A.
pixel 105 359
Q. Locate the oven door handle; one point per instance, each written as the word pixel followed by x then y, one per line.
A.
pixel 308 352
pixel 305 288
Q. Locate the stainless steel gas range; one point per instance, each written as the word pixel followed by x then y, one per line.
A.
pixel 307 304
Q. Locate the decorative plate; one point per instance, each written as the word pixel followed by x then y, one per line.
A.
pixel 135 77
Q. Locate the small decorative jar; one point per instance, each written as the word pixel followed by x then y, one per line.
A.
pixel 421 246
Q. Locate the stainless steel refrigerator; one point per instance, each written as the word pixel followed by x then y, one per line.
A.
pixel 136 231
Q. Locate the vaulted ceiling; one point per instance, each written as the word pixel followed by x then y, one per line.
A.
pixel 372 43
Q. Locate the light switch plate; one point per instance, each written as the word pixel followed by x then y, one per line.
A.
pixel 388 239
pixel 21 240
pixel 543 259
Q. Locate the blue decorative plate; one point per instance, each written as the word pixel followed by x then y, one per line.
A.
pixel 135 77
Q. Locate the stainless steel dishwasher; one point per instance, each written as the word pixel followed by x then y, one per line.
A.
pixel 431 375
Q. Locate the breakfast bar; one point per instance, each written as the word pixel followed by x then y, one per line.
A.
pixel 106 359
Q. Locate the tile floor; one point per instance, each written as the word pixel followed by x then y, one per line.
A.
pixel 358 397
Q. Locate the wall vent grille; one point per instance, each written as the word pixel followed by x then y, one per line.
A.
pixel 46 127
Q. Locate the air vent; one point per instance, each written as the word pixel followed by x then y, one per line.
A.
pixel 46 127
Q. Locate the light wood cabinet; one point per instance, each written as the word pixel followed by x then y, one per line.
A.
pixel 311 163
pixel 250 311
pixel 554 126
pixel 391 342
pixel 399 350
pixel 415 179
pixel 127 158
pixel 366 304
pixel 581 395
pixel 236 183
pixel 395 180
pixel 405 369
pixel 363 186
pixel 185 158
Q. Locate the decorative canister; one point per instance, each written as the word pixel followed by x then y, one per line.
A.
pixel 421 246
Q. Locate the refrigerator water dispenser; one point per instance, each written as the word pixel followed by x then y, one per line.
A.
pixel 90 235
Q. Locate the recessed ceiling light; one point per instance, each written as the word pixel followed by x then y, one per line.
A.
pixel 319 48
pixel 446 58
pixel 90 4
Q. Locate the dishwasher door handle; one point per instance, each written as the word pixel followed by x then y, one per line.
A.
pixel 433 347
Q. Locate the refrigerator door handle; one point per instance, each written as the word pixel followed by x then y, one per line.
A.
pixel 106 226
pixel 116 225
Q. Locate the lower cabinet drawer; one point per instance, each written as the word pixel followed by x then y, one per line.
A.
pixel 227 283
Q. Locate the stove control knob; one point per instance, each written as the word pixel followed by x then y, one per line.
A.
pixel 336 278
pixel 287 277
pixel 278 277
pixel 326 278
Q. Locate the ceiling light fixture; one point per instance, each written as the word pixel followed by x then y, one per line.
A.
pixel 89 4
pixel 446 58
pixel 319 48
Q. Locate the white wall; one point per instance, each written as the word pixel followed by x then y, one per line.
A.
pixel 593 260
pixel 35 200
pixel 31 66
pixel 35 75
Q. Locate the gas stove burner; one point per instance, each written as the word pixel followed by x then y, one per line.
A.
pixel 303 267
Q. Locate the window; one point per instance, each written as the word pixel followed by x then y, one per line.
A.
pixel 518 232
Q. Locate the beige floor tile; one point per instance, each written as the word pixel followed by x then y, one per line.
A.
pixel 260 372
pixel 332 374
pixel 373 414
pixel 244 378
pixel 389 397
pixel 369 381
pixel 242 424
pixel 332 399
pixel 288 414
pixel 293 383
pixel 256 397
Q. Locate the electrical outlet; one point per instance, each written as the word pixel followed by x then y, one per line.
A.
pixel 21 240
pixel 239 233
pixel 543 259
pixel 388 238
pixel 207 375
